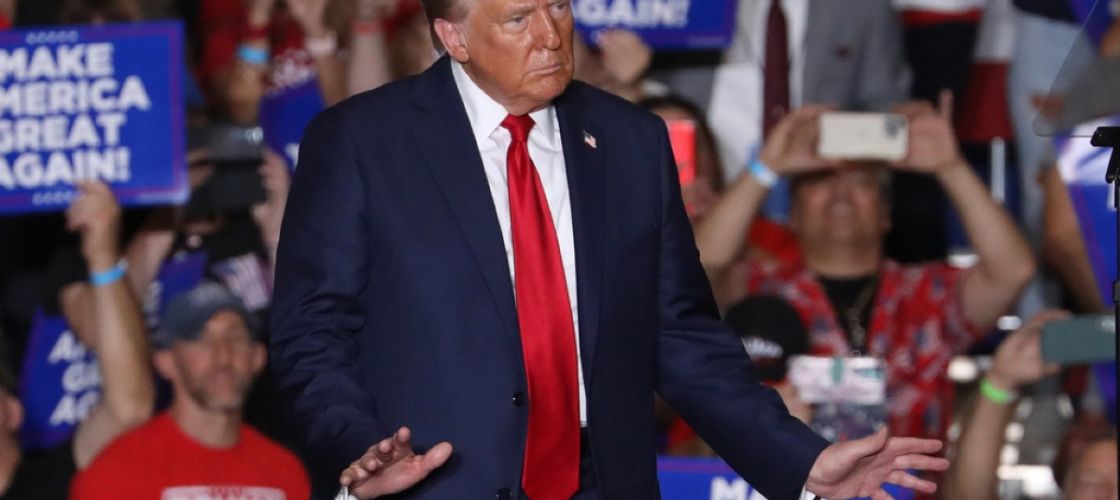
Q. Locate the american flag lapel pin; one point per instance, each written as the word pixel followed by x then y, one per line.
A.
pixel 590 140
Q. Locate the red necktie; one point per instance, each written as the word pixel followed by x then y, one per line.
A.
pixel 551 467
pixel 775 97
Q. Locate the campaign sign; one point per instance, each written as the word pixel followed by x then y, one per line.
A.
pixel 663 24
pixel 1095 18
pixel 91 103
pixel 179 274
pixel 59 385
pixel 711 478
pixel 285 113
pixel 1082 167
pixel 685 478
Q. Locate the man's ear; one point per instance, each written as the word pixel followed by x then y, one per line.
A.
pixel 451 36
pixel 260 355
pixel 165 364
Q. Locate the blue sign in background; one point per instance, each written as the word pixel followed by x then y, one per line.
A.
pixel 1095 17
pixel 177 275
pixel 155 137
pixel 1098 225
pixel 59 385
pixel 1083 167
pixel 285 113
pixel 711 478
pixel 663 24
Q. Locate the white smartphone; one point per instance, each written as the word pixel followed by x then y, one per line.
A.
pixel 863 136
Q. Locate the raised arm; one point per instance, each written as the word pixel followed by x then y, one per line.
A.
pixel 322 44
pixel 704 373
pixel 791 148
pixel 369 51
pixel 1017 362
pixel 269 214
pixel 115 324
pixel 1005 261
pixel 148 248
pixel 240 86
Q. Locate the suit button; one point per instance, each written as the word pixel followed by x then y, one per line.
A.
pixel 519 399
pixel 503 494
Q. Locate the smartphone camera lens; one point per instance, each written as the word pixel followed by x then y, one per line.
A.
pixel 894 124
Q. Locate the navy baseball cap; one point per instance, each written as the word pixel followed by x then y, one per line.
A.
pixel 186 315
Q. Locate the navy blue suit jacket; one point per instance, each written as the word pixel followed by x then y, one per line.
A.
pixel 393 303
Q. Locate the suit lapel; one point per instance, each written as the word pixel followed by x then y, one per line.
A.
pixel 444 136
pixel 586 187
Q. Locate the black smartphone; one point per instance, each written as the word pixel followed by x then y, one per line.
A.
pixel 1079 339
pixel 235 184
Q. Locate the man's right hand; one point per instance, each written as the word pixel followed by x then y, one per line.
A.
pixel 391 466
pixel 791 147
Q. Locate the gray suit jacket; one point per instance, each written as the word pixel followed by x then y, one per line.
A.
pixel 853 58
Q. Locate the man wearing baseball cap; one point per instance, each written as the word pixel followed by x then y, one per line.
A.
pixel 208 347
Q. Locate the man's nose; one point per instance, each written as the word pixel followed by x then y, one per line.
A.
pixel 546 33
pixel 841 186
pixel 222 352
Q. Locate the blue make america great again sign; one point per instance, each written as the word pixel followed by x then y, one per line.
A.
pixel 663 24
pixel 91 103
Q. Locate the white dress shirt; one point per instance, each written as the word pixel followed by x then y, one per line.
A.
pixel 547 153
pixel 735 112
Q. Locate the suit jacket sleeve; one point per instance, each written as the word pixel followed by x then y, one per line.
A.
pixel 704 371
pixel 317 309
pixel 884 76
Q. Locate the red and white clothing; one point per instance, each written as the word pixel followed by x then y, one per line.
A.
pixel 224 25
pixel 917 326
pixel 158 460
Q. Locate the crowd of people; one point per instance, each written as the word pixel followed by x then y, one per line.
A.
pixel 807 256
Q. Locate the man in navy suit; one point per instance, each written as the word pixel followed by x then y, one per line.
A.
pixel 498 257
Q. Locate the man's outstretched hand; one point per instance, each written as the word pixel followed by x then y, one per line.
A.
pixel 391 466
pixel 858 468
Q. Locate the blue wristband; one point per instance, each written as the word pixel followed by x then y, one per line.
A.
pixel 762 173
pixel 109 276
pixel 252 55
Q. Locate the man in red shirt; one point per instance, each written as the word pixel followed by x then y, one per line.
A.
pixel 208 348
pixel 852 299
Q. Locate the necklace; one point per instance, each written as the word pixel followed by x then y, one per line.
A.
pixel 853 314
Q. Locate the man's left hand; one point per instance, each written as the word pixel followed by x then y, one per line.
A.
pixel 932 145
pixel 96 215
pixel 391 466
pixel 858 468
